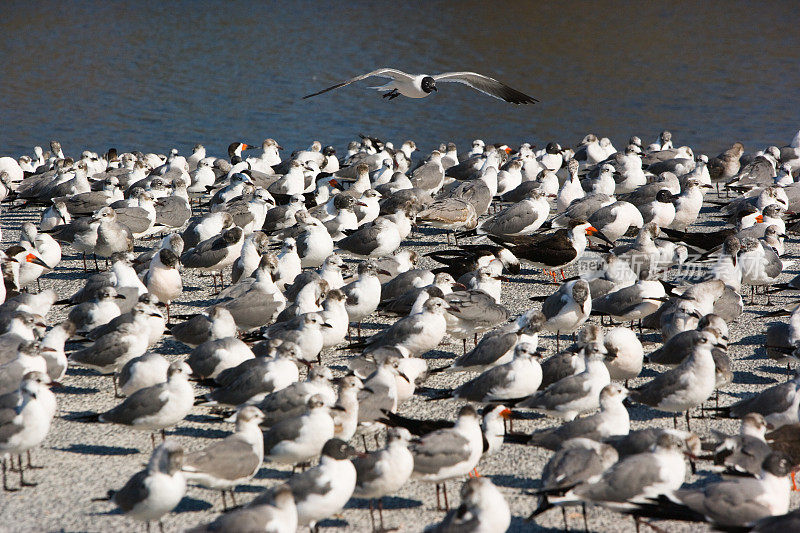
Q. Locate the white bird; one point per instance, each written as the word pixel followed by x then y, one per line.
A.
pixel 421 85
pixel 151 493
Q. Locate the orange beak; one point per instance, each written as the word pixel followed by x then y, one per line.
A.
pixel 591 230
pixel 30 258
pixel 759 218
pixel 506 413
pixel 245 146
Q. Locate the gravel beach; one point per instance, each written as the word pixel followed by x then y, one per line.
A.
pixel 82 461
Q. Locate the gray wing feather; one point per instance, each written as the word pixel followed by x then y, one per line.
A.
pixel 438 450
pixel 381 73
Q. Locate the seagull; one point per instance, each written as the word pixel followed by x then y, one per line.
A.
pixel 483 509
pixel 686 386
pixel 730 504
pixel 514 380
pixel 156 407
pixel 25 417
pixel 302 438
pixel 151 493
pixel 324 490
pixel 612 420
pixel 745 452
pixel 421 85
pixel 231 461
pixel 633 479
pixel 274 511
pixel 384 471
pixel 577 461
pixel 572 395
pixel 449 452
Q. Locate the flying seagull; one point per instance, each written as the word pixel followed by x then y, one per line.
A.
pixel 421 85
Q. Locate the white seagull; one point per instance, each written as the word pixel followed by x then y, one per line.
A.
pixel 421 85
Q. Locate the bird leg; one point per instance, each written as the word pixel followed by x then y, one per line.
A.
pixel 380 514
pixel 224 502
pixel 447 235
pixel 558 341
pixel 153 440
pixel 444 490
pixel 377 442
pixel 585 520
pixel 161 526
pixel 364 440
pixel 148 526
pixel 564 516
pixel 114 382
pixel 30 463
pixel 233 498
pixel 563 277
pixel 359 331
pixel 5 479
pixel 674 421
pixel 636 523
pixel 688 427
pixel 85 269
pixel 371 515
pixel 96 266
pixel 464 342
pixel 22 482
pixel 438 503
pixel 792 473
pixel 163 435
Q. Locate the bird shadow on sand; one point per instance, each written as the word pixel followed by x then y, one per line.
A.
pixel 97 449
pixel 192 505
pixel 331 522
pixel 389 502
pixel 438 354
pixel 202 419
pixel 185 431
pixel 750 340
pixel 752 379
pixel 513 482
pixel 272 473
pixel 518 523
pixel 71 389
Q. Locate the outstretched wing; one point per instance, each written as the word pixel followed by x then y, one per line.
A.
pixel 381 73
pixel 487 85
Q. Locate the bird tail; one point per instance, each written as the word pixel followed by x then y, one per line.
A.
pixel 107 498
pixel 665 509
pixel 544 505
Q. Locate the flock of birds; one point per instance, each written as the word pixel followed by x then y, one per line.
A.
pixel 301 250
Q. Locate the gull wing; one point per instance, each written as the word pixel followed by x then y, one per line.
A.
pixel 381 73
pixel 486 85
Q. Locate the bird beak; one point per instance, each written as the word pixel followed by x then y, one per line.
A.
pixel 383 272
pixel 506 413
pixel 706 186
pixel 156 314
pixel 334 183
pixel 459 285
pixel 759 218
pixel 246 146
pixel 369 390
pixel 32 258
pixel 362 204
pixel 119 297
pixel 501 278
pixel 338 408
pixel 435 89
pixel 325 324
pixel 402 375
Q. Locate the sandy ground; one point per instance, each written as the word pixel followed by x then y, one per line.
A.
pixel 84 460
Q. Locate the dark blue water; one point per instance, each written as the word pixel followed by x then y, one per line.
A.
pixel 156 75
